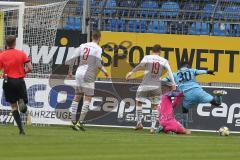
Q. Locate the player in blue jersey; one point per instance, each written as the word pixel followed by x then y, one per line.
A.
pixel 185 79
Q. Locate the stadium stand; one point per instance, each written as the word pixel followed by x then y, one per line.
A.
pixel 196 17
pixel 149 8
pixel 173 17
pixel 169 9
pixel 73 23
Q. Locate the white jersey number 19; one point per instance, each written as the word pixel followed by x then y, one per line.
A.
pixel 155 67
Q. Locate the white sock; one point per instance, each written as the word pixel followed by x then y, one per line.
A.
pixel 154 118
pixel 139 114
pixel 74 108
pixel 85 109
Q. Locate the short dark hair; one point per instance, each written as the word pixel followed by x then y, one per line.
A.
pixel 96 35
pixel 184 64
pixel 11 41
pixel 157 48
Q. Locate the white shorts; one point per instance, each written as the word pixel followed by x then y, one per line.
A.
pixel 152 93
pixel 82 86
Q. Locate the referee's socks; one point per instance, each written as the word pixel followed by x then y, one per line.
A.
pixel 17 118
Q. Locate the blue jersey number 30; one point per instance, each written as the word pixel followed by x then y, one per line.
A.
pixel 184 76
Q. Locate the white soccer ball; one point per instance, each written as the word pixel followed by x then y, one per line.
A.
pixel 224 131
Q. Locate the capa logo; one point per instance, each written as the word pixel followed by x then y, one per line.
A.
pixel 124 108
pixel 230 112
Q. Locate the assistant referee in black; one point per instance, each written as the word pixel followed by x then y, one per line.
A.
pixel 14 65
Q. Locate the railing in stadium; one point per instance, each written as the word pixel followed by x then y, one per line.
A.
pixel 194 17
pixel 215 17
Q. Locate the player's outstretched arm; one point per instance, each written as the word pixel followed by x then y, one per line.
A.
pixel 200 72
pixel 170 75
pixel 102 69
pixel 139 67
pixel 178 99
pixel 129 75
pixel 99 64
pixel 211 72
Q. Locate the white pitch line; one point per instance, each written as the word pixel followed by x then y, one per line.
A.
pixel 116 126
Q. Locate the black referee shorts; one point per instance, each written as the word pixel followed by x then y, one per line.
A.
pixel 15 89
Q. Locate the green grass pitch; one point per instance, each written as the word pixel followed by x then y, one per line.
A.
pixel 62 143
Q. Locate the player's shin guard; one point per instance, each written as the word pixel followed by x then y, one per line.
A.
pixel 154 118
pixel 74 108
pixel 84 111
pixel 17 118
pixel 139 115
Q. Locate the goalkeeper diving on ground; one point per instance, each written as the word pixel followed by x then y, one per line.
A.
pixel 167 121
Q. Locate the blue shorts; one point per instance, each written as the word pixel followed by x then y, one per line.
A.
pixel 196 96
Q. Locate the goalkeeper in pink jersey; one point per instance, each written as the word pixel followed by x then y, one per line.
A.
pixel 166 113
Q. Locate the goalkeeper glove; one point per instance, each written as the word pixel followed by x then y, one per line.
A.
pixel 211 72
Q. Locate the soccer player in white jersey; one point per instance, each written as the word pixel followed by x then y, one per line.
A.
pixel 90 61
pixel 150 88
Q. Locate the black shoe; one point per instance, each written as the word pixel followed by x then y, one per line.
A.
pixel 75 128
pixel 22 133
pixel 81 127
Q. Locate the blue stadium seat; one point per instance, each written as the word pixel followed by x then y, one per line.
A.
pixel 208 11
pixel 79 7
pixel 157 27
pixel 170 9
pixel 233 29
pixel 237 26
pixel 218 31
pixel 200 28
pixel 109 7
pixel 136 26
pixel 232 12
pixel 129 4
pixel 73 23
pixel 190 7
pixel 116 25
pixel 94 2
pixel 150 4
